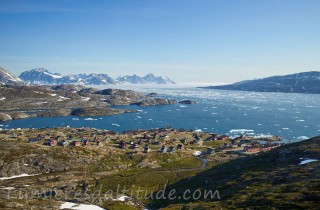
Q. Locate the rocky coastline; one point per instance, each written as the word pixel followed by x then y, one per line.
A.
pixel 20 101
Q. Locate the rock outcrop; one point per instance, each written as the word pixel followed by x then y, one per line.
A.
pixel 155 102
pixel 20 115
pixel 100 111
pixel 55 113
pixel 187 102
pixel 5 117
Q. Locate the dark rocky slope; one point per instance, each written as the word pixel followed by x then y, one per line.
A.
pixel 306 82
pixel 155 102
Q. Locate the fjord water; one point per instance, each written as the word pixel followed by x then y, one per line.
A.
pixel 291 116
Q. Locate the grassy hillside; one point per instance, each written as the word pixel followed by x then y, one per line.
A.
pixel 268 180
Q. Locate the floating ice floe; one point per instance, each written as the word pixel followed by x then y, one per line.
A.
pixel 17 176
pixel 198 130
pixel 241 130
pixel 307 160
pixel 261 135
pixel 77 206
pixel 89 118
pixel 302 137
pixel 75 118
pixel 115 124
pixel 183 106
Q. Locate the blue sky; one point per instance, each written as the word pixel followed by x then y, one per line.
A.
pixel 187 40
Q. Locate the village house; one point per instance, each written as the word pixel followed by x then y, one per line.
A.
pixel 171 149
pixel 179 146
pixel 223 137
pixel 134 146
pixel 146 148
pixel 63 143
pixel 163 149
pixel 34 140
pixel 86 143
pixel 51 142
pixel 122 145
pixel 76 143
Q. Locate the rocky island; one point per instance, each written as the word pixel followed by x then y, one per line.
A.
pixel 20 102
pixel 155 102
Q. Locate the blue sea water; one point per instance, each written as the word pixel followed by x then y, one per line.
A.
pixel 291 116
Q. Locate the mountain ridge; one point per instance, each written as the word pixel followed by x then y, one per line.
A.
pixel 303 82
pixel 6 78
pixel 41 76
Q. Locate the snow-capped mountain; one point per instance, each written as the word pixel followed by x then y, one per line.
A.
pixel 6 78
pixel 134 79
pixel 41 76
pixel 98 79
pixel 148 79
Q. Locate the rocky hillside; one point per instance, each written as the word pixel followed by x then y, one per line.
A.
pixel 287 177
pixel 41 76
pixel 6 78
pixel 17 102
pixel 306 82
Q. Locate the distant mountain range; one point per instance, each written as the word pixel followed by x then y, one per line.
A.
pixel 305 82
pixel 41 76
